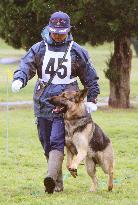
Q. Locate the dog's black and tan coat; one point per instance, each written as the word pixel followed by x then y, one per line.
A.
pixel 84 139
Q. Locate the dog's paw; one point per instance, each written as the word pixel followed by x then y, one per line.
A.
pixel 58 188
pixel 110 188
pixel 73 172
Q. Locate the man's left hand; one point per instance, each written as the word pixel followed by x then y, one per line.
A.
pixel 90 106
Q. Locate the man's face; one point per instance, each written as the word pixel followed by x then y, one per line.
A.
pixel 58 37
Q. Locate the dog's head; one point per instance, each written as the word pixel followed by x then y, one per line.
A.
pixel 69 101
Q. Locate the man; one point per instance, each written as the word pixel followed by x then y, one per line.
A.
pixel 44 58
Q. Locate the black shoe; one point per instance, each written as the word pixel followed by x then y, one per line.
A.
pixel 49 184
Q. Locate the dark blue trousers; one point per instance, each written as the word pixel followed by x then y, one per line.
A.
pixel 51 134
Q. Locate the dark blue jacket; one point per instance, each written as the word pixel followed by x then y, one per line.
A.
pixel 81 67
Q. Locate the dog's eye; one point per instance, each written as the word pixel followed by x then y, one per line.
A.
pixel 64 95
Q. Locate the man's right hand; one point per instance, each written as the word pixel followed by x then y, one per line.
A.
pixel 16 86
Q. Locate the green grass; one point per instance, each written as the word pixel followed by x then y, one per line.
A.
pixel 23 165
pixel 8 51
pixel 23 169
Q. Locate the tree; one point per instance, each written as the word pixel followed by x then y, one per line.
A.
pixel 21 21
pixel 93 21
pixel 110 20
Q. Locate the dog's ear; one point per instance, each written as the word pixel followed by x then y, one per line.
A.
pixel 83 94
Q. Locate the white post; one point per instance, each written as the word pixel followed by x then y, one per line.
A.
pixel 7 117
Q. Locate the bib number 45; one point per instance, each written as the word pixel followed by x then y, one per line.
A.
pixel 62 72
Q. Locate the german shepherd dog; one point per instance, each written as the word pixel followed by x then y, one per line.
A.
pixel 84 139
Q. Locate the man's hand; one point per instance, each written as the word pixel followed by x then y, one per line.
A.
pixel 90 106
pixel 16 86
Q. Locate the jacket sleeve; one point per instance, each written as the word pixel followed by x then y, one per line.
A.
pixel 87 75
pixel 28 65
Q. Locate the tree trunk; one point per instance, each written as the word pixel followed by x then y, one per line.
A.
pixel 120 68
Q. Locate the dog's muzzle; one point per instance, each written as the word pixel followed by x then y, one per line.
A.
pixel 58 108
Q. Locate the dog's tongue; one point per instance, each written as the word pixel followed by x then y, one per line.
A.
pixel 57 110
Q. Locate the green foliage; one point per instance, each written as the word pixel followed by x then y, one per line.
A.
pixel 22 21
pixel 106 20
pixel 93 21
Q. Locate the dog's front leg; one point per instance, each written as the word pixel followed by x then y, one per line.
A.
pixel 69 162
pixel 82 147
pixel 77 160
pixel 69 158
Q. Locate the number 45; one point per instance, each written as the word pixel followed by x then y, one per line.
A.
pixel 50 68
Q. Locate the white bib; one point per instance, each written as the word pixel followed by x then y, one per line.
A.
pixel 50 64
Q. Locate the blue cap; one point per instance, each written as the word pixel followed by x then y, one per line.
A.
pixel 59 23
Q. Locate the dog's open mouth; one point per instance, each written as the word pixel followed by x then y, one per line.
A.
pixel 59 109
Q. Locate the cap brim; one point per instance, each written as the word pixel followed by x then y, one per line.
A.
pixel 58 30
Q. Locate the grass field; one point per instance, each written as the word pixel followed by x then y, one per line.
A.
pixel 23 167
pixel 22 163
